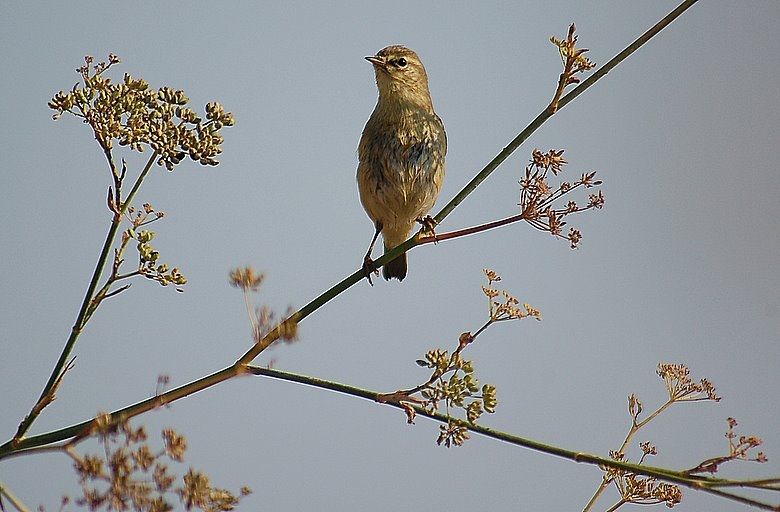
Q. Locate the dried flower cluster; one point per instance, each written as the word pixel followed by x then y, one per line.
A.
pixel 573 58
pixel 574 63
pixel 147 259
pixel 681 387
pixel 460 389
pixel 453 382
pixel 739 446
pixel 246 278
pixel 135 115
pixel 537 196
pixel 130 475
pixel 262 319
pixel 506 310
pixel 147 255
pixel 642 490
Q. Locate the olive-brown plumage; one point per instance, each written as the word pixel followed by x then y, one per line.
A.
pixel 401 152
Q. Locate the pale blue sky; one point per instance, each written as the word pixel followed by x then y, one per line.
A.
pixel 680 266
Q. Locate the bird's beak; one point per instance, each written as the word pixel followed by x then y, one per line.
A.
pixel 376 61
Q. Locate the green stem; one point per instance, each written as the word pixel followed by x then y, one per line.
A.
pixel 696 482
pixel 305 311
pixel 74 333
pixel 87 307
pixel 596 495
pixel 18 447
pixel 544 115
pixel 129 199
pixel 644 422
pixel 616 506
pixel 13 500
pixel 631 432
pixel 702 483
pixel 119 277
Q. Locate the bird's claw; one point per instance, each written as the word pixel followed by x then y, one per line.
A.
pixel 428 224
pixel 369 268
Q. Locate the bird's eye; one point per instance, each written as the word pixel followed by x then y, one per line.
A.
pixel 401 63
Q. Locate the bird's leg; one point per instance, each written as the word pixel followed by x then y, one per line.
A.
pixel 368 263
pixel 428 224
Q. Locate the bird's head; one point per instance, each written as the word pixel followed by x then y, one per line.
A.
pixel 400 76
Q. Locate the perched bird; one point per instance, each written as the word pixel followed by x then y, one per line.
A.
pixel 401 152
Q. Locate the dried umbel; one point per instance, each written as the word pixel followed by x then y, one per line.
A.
pixel 130 474
pixel 540 202
pixel 135 115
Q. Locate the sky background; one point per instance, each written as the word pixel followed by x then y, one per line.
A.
pixel 681 265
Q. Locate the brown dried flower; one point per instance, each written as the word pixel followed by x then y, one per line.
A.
pixel 538 198
pixel 130 475
pixel 681 387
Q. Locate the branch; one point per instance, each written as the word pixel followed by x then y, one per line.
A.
pixel 19 443
pixel 87 306
pixel 415 240
pixel 16 502
pixel 701 483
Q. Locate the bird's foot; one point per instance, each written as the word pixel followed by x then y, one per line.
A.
pixel 428 224
pixel 369 268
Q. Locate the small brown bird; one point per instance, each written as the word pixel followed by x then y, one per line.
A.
pixel 401 152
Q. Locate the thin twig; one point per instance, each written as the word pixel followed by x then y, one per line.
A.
pixel 86 305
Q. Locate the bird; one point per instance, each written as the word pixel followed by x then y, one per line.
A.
pixel 401 154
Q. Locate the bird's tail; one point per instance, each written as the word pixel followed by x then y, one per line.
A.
pixel 395 268
pixel 394 235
